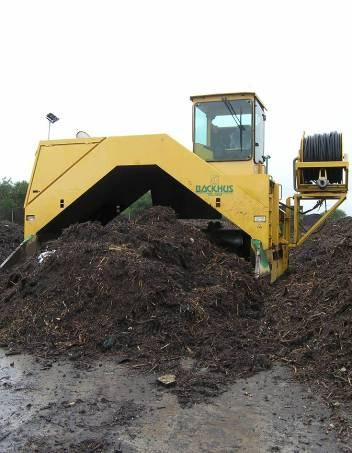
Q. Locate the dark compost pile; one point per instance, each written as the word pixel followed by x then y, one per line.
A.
pixel 11 236
pixel 153 289
pixel 310 313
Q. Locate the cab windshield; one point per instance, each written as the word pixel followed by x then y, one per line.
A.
pixel 223 130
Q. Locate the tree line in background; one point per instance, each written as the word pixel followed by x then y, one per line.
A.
pixel 12 195
pixel 144 202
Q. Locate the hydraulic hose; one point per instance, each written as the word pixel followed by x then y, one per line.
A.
pixel 323 148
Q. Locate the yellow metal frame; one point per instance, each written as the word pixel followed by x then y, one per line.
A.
pixel 83 167
pixel 229 96
pixel 306 188
pixel 299 239
pixel 300 165
pixel 313 192
pixel 65 170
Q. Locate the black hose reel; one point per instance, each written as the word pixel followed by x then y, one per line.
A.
pixel 322 148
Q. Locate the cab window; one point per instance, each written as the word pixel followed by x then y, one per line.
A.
pixel 259 134
pixel 223 130
pixel 201 129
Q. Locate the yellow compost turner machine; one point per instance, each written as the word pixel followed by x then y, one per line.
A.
pixel 225 177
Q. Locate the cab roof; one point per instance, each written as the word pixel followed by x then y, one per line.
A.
pixel 229 96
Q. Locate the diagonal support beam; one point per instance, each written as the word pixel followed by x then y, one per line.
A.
pixel 322 219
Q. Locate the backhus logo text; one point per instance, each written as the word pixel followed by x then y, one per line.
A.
pixel 215 189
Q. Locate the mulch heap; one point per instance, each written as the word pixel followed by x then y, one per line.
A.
pixel 11 236
pixel 310 314
pixel 154 289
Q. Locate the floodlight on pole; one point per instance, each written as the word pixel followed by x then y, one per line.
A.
pixel 51 120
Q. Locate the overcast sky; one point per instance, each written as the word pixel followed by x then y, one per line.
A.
pixel 129 67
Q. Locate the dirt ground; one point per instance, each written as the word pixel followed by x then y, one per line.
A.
pixel 75 406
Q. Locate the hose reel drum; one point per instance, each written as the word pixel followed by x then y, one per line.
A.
pixel 322 148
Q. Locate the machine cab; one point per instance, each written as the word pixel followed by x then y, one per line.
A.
pixel 229 127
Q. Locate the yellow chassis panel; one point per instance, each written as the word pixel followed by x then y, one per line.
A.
pixel 43 197
pixel 85 162
pixel 65 170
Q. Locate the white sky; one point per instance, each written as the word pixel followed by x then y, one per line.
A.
pixel 129 67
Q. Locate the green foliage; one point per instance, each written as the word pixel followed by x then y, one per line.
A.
pixel 144 202
pixel 12 195
pixel 338 214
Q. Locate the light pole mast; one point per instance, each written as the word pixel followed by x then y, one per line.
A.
pixel 51 120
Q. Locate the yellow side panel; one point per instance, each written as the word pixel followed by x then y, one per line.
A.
pixel 244 198
pixel 53 160
pixel 203 152
pixel 240 167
